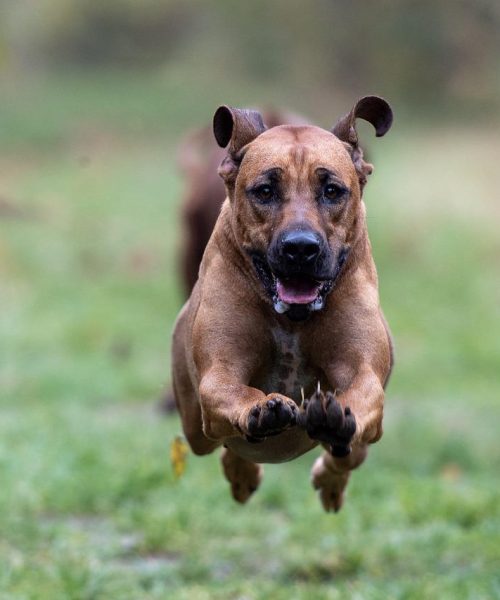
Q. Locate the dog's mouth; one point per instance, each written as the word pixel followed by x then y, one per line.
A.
pixel 297 295
pixel 299 289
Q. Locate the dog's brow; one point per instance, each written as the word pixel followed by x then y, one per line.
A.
pixel 323 171
pixel 271 175
pixel 273 172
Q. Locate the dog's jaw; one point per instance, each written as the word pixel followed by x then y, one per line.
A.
pixel 295 312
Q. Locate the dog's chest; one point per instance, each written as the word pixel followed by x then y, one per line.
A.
pixel 289 370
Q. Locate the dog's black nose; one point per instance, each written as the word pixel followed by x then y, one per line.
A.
pixel 300 247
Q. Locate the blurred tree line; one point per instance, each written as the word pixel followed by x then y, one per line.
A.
pixel 421 51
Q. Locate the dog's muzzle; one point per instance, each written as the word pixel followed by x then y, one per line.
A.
pixel 295 257
pixel 298 272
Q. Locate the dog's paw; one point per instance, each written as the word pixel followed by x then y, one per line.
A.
pixel 244 476
pixel 330 485
pixel 325 420
pixel 270 417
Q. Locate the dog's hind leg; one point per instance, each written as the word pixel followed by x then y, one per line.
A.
pixel 185 395
pixel 190 413
pixel 243 475
pixel 330 475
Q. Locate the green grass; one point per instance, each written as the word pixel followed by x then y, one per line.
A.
pixel 89 507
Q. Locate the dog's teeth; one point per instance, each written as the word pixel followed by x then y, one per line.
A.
pixel 280 306
pixel 318 304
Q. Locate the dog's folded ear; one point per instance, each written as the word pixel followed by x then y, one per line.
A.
pixel 373 109
pixel 376 111
pixel 236 127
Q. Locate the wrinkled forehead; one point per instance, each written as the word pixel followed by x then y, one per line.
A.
pixel 299 151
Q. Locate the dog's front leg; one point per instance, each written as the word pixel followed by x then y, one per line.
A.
pixel 364 397
pixel 230 408
pixel 351 417
pixel 345 423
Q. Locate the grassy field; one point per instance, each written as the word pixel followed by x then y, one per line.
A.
pixel 89 506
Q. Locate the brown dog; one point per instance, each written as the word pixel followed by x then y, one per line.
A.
pixel 286 305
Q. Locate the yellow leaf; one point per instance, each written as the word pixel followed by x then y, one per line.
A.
pixel 178 454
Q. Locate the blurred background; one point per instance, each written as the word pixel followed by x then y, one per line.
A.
pixel 95 100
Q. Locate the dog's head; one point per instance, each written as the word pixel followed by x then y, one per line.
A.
pixel 296 198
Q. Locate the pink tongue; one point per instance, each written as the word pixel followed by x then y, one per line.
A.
pixel 297 290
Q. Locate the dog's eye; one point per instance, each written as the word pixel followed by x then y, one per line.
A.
pixel 332 192
pixel 264 193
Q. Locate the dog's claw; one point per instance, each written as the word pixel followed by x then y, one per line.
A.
pixel 325 420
